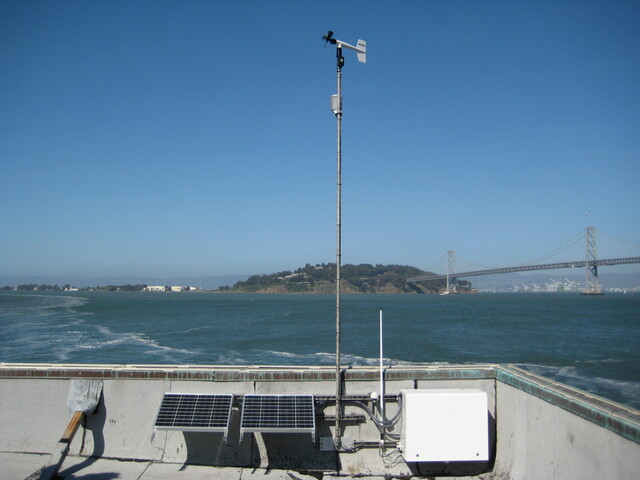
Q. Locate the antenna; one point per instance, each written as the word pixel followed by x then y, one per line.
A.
pixel 382 417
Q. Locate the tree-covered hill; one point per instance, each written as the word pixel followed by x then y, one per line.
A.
pixel 363 278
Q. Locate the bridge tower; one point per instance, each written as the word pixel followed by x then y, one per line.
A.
pixel 451 269
pixel 592 284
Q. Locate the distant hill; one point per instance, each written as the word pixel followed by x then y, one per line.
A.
pixel 320 278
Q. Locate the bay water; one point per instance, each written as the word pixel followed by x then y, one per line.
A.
pixel 590 342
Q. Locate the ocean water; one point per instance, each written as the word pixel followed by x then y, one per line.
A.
pixel 590 342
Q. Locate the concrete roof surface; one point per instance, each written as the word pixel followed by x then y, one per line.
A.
pixel 27 466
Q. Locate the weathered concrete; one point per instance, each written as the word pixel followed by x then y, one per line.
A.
pixel 19 466
pixel 539 439
pixel 106 469
pixel 33 414
pixel 538 428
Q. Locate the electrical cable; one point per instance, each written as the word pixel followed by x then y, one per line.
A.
pixel 384 424
pixel 392 458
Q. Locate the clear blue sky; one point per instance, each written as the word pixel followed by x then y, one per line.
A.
pixel 195 137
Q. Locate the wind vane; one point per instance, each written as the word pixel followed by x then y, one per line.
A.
pixel 360 48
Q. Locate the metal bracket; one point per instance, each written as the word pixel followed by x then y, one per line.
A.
pixel 327 444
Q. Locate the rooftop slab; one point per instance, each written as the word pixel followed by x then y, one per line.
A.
pixel 21 466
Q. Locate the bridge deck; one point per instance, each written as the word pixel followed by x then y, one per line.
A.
pixel 526 268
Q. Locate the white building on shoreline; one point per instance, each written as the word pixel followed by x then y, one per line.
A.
pixel 155 288
pixel 173 288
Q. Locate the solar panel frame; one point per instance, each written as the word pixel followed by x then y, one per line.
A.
pixel 278 414
pixel 195 412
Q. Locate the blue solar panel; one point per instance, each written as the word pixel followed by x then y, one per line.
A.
pixel 278 413
pixel 195 412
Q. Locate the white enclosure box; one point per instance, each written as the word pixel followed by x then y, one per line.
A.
pixel 445 425
pixel 335 105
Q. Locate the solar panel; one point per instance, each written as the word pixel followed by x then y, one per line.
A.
pixel 195 412
pixel 278 413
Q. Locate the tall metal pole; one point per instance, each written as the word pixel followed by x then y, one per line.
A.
pixel 338 113
pixel 336 107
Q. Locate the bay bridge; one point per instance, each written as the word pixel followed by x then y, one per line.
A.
pixel 590 264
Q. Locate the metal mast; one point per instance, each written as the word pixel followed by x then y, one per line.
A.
pixel 338 114
pixel 592 284
pixel 336 108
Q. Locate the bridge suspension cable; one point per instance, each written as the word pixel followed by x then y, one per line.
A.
pixel 619 240
pixel 438 264
pixel 471 262
pixel 569 243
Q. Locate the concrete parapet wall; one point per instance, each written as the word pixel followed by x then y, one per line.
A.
pixel 535 430
pixel 549 430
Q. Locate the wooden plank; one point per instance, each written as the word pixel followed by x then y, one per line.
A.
pixel 72 427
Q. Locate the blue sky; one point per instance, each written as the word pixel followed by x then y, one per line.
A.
pixel 195 138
